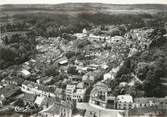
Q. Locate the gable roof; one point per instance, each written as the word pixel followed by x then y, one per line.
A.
pixel 29 97
pixel 38 86
pixel 9 91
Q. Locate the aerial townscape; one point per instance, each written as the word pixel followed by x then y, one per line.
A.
pixel 83 60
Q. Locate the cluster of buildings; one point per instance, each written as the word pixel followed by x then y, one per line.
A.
pixel 86 86
pixel 77 90
pixel 101 96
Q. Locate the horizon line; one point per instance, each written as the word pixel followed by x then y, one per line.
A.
pixel 83 3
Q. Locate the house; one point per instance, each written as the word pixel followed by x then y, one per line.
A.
pixel 59 93
pixel 107 76
pixel 45 102
pixel 10 80
pixel 163 103
pixel 75 92
pixel 92 76
pixel 150 102
pixel 37 89
pixel 79 95
pixel 116 40
pixel 26 66
pixel 93 66
pixel 87 83
pixel 147 112
pixel 63 68
pixel 58 109
pixel 81 35
pixel 7 93
pixel 84 31
pixel 111 74
pixel 123 84
pixel 80 85
pixel 63 61
pixel 69 91
pixel 124 102
pixel 99 95
pixel 45 80
pixel 81 69
pixel 39 100
pixel 29 97
pixel 2 101
pixel 104 66
pixel 75 78
pixel 25 73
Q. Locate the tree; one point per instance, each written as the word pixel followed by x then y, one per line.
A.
pixel 51 70
pixel 82 43
pixel 72 70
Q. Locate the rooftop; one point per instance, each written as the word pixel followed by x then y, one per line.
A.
pixel 125 98
pixel 29 97
pixel 38 86
pixel 25 72
pixel 9 90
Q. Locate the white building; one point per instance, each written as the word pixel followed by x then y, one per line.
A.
pixel 107 76
pixel 124 102
pixel 25 73
pixel 79 95
pixel 69 91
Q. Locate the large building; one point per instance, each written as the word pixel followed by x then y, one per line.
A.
pixel 100 95
pixel 57 109
pixel 79 95
pixel 69 91
pixel 161 103
pixel 124 102
pixel 75 92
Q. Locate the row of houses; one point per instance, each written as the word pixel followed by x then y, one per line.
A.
pixel 50 106
pixel 37 89
pixel 80 84
pixel 7 94
pixel 101 96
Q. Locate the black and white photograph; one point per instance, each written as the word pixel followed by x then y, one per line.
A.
pixel 83 58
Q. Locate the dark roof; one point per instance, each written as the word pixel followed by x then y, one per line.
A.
pixel 19 81
pixel 29 97
pixel 142 111
pixel 147 100
pixel 55 109
pixel 56 101
pixel 9 91
pixel 49 101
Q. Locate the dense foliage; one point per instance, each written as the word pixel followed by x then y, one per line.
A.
pixel 149 66
pixel 17 48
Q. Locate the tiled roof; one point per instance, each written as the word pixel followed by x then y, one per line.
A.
pixel 10 90
pixel 29 97
pixel 56 101
pixel 40 87
pixel 147 100
pixel 54 109
pixel 50 101
pixel 124 98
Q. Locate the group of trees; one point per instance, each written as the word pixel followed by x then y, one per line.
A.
pixel 149 66
pixel 14 27
pixel 57 24
pixel 17 48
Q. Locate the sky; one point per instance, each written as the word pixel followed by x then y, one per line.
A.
pixel 80 1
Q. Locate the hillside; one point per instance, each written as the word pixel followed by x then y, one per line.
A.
pixel 83 7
